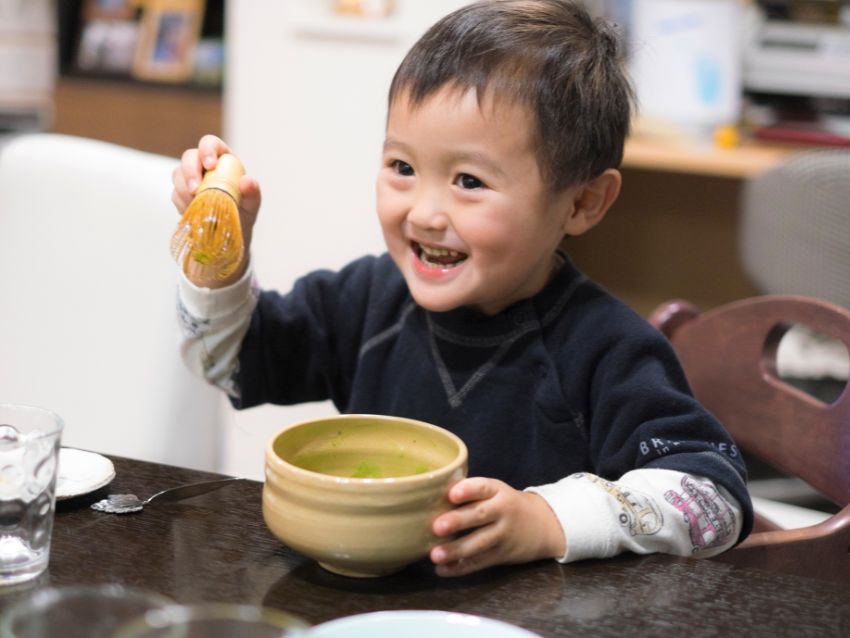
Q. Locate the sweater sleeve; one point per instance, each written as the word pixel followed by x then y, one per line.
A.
pixel 646 511
pixel 213 324
pixel 641 413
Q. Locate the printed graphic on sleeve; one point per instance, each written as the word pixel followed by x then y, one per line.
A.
pixel 639 512
pixel 190 325
pixel 710 519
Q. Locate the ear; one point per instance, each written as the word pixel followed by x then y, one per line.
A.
pixel 591 201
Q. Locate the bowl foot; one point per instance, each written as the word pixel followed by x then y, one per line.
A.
pixel 361 573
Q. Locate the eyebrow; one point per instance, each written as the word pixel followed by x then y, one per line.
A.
pixel 473 157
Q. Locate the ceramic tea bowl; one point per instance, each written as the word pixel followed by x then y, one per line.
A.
pixel 358 493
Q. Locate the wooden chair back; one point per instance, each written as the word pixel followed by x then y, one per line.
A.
pixel 729 357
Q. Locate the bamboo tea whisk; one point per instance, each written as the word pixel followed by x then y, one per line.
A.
pixel 207 242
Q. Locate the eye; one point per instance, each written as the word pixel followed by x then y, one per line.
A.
pixel 468 182
pixel 402 168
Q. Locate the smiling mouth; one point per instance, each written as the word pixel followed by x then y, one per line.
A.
pixel 434 257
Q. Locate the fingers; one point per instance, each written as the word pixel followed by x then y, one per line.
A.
pixel 468 565
pixel 182 193
pixel 186 177
pixel 474 496
pixel 492 523
pixel 482 545
pixel 191 170
pixel 479 511
pixel 473 489
pixel 210 148
pixel 251 197
pixel 195 161
pixel 464 518
pixel 179 203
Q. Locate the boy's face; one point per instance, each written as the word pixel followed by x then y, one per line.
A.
pixel 462 204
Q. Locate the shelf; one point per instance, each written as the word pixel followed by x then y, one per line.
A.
pixel 150 117
pixel 116 79
pixel 747 160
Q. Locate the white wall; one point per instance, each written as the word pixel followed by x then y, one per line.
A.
pixel 305 102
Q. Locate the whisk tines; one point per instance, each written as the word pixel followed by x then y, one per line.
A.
pixel 207 242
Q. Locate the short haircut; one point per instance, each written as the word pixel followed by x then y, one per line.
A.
pixel 550 56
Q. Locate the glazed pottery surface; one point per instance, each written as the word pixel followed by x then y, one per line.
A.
pixel 358 493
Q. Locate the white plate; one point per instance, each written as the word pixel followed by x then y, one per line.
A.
pixel 81 472
pixel 417 624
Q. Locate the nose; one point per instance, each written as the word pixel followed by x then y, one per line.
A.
pixel 428 211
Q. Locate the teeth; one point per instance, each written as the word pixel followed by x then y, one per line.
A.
pixel 439 252
pixel 443 258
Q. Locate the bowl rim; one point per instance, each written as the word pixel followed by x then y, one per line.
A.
pixel 402 482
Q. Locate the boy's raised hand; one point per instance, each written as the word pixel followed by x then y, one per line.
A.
pixel 186 178
pixel 499 524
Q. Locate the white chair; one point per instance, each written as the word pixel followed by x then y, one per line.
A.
pixel 87 300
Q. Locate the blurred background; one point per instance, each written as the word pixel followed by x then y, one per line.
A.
pixel 728 89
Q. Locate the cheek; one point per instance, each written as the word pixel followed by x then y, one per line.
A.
pixel 387 202
pixel 391 216
pixel 488 232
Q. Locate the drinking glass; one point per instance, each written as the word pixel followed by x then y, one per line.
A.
pixel 29 457
pixel 84 611
pixel 215 620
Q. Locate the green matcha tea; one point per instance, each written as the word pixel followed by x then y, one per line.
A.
pixel 356 464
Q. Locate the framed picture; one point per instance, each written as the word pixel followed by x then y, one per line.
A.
pixel 168 34
pixel 107 47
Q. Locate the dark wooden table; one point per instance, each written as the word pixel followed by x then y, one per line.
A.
pixel 216 547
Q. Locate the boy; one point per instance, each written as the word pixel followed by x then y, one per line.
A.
pixel 505 128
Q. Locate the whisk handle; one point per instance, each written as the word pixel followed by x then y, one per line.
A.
pixel 225 176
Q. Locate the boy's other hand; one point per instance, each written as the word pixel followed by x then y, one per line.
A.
pixel 502 525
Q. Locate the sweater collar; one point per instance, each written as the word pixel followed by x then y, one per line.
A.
pixel 471 322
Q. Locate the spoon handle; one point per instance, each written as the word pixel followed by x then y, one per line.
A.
pixel 181 492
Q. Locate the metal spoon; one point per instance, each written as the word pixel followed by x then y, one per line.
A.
pixel 128 503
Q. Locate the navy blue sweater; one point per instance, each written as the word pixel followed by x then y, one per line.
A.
pixel 570 380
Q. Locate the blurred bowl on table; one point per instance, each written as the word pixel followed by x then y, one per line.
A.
pixel 358 493
pixel 414 623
